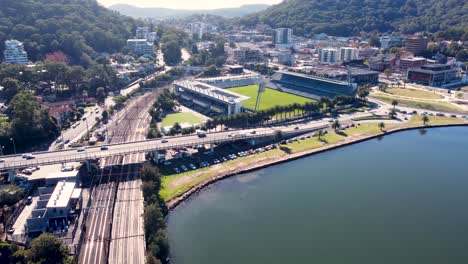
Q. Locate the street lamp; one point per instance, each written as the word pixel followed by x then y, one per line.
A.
pixel 14 145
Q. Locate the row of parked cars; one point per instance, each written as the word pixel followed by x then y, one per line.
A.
pixel 218 160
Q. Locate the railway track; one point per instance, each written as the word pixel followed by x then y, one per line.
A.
pixel 114 225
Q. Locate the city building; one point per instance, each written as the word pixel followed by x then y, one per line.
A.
pixel 310 86
pixel 235 69
pixel 283 36
pixel 328 55
pixel 245 54
pixel 140 46
pixel 14 52
pixel 416 44
pixel 152 36
pixel 142 33
pixel 286 58
pixel 208 99
pixel 389 41
pixel 433 75
pixel 348 54
pixel 54 207
pixel 412 62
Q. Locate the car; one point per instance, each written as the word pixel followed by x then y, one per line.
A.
pixel 253 132
pixel 439 114
pixel 104 147
pixel 167 163
pixel 2 160
pixel 80 149
pixel 66 141
pixel 296 128
pixel 192 166
pixel 29 200
pixel 164 141
pixel 176 170
pixel 453 116
pixel 184 168
pixel 83 119
pixel 28 156
pixel 415 112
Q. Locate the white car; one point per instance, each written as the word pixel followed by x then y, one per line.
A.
pixel 80 149
pixel 28 156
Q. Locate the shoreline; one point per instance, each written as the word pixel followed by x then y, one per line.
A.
pixel 174 202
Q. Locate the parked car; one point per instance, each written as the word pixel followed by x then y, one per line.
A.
pixel 80 149
pixel 28 156
pixel 164 141
pixel 2 160
pixel 104 147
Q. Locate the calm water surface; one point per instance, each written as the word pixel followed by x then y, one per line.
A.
pixel 401 199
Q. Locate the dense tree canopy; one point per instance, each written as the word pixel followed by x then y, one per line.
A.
pixel 79 29
pixel 349 17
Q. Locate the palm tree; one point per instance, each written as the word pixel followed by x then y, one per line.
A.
pixel 381 126
pixel 394 103
pixel 425 119
pixel 392 113
pixel 320 132
pixel 336 124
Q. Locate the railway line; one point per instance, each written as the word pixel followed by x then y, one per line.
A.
pixel 114 225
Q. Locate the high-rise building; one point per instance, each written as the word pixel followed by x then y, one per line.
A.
pixel 15 53
pixel 142 33
pixel 283 35
pixel 197 29
pixel 348 54
pixel 140 46
pixel 416 44
pixel 328 55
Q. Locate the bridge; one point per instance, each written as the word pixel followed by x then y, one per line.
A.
pixel 12 162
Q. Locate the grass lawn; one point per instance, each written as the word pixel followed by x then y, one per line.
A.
pixel 183 117
pixel 433 106
pixel 438 120
pixel 418 94
pixel 270 97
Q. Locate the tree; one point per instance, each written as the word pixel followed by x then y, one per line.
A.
pixel 172 53
pixel 47 248
pixel 319 134
pixel 394 103
pixel 388 73
pixel 363 92
pixel 381 126
pixel 278 135
pixel 10 88
pixel 425 119
pixel 374 41
pixel 392 114
pixel 336 124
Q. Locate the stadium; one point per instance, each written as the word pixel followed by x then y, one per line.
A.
pixel 233 94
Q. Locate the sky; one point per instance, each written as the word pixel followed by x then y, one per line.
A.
pixel 188 4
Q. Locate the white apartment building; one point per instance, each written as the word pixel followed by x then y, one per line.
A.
pixel 283 35
pixel 142 33
pixel 328 55
pixel 15 53
pixel 348 54
pixel 140 46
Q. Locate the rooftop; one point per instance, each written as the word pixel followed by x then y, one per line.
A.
pixel 212 91
pixel 61 195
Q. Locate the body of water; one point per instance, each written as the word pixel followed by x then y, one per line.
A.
pixel 400 199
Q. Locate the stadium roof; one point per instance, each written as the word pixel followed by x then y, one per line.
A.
pixel 212 91
pixel 315 78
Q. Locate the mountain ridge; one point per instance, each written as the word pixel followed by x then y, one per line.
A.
pixel 163 13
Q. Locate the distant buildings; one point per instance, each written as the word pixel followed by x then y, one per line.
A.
pixel 245 54
pixel 152 36
pixel 416 44
pixel 142 33
pixel 433 75
pixel 14 52
pixel 140 47
pixel 389 41
pixel 328 55
pixel 348 54
pixel 286 58
pixel 412 62
pixel 197 29
pixel 283 36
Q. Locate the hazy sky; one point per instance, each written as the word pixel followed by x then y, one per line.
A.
pixel 188 4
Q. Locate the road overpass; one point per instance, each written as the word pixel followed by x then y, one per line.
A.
pixel 151 145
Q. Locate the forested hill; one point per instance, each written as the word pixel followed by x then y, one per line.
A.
pixel 348 17
pixel 79 28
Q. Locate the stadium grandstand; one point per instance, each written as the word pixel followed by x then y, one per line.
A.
pixel 309 86
pixel 208 99
pixel 232 81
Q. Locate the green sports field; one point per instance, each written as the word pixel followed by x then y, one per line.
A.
pixel 183 117
pixel 270 97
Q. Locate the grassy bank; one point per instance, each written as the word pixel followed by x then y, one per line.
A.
pixel 417 94
pixel 178 184
pixel 426 105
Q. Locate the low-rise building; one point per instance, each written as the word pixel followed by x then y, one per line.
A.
pixel 416 44
pixel 433 75
pixel 141 46
pixel 412 62
pixel 244 54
